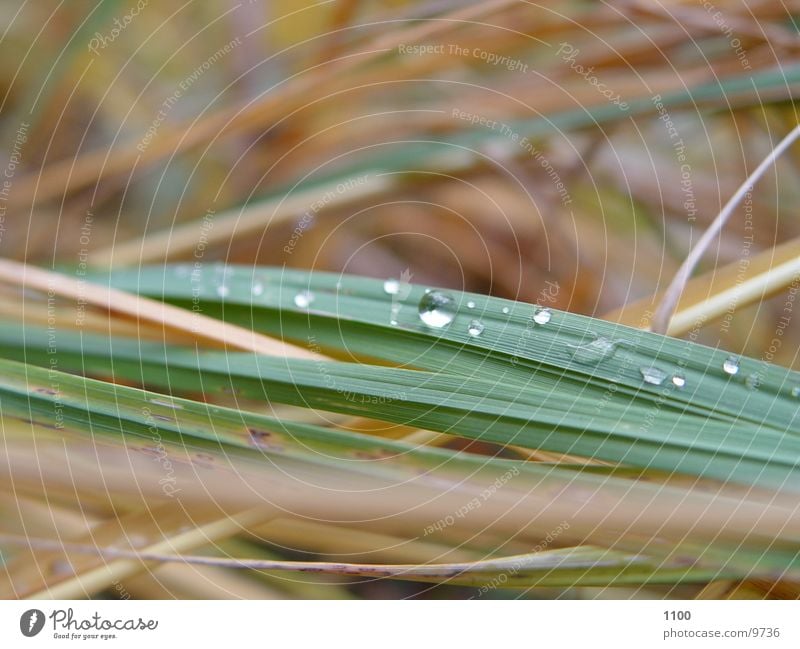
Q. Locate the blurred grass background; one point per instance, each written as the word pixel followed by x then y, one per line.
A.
pixel 511 148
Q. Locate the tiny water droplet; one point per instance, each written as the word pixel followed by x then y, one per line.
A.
pixel 437 309
pixel 594 352
pixel 653 375
pixel 678 380
pixel 542 316
pixel 391 287
pixel 475 328
pixel 796 391
pixel 470 304
pixel 753 381
pixel 731 365
pixel 258 288
pixel 223 290
pixel 304 299
pixel 506 310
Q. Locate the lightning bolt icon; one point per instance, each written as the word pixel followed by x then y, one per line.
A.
pixel 32 620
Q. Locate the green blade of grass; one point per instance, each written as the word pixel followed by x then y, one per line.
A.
pixel 531 416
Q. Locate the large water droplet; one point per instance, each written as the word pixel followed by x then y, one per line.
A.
pixel 653 375
pixel 470 304
pixel 506 310
pixel 542 316
pixel 678 380
pixel 731 365
pixel 475 328
pixel 437 309
pixel 594 352
pixel 391 287
pixel 304 299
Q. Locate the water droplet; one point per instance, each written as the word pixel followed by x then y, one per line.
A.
pixel 223 290
pixel 796 391
pixel 542 316
pixel 653 375
pixel 594 352
pixel 678 380
pixel 304 299
pixel 437 309
pixel 391 287
pixel 475 328
pixel 470 304
pixel 258 288
pixel 731 365
pixel 753 381
pixel 506 310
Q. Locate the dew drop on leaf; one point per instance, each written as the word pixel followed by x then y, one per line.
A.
pixel 475 328
pixel 753 381
pixel 592 353
pixel 437 309
pixel 304 299
pixel 391 287
pixel 653 375
pixel 731 365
